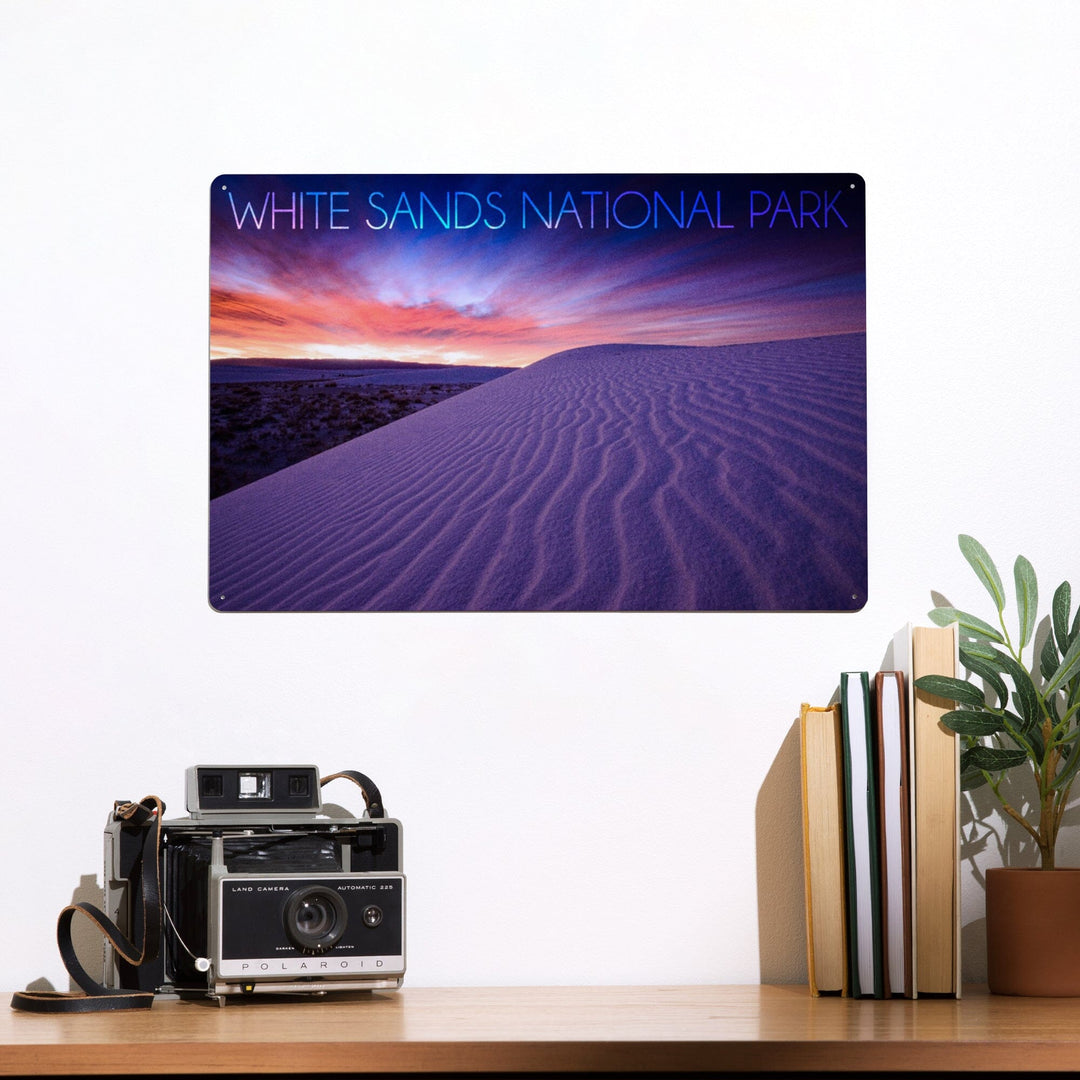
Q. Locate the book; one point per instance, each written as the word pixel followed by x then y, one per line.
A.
pixel 900 650
pixel 865 971
pixel 894 810
pixel 823 848
pixel 935 776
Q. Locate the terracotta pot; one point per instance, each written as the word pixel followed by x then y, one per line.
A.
pixel 1033 932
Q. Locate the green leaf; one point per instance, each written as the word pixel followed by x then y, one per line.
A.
pixel 986 672
pixel 1032 732
pixel 969 722
pixel 951 689
pixel 1025 697
pixel 1027 597
pixel 1059 609
pixel 991 758
pixel 997 659
pixel 1057 706
pixel 1067 771
pixel 984 567
pixel 982 649
pixel 1048 658
pixel 1070 664
pixel 972 779
pixel 971 625
pixel 1030 741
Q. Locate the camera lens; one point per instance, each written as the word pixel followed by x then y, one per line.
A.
pixel 315 918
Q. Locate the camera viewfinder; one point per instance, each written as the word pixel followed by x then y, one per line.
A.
pixel 254 785
pixel 211 785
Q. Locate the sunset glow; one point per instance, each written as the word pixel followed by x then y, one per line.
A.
pixel 506 270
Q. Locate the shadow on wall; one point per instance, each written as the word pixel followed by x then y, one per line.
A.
pixel 86 938
pixel 780 890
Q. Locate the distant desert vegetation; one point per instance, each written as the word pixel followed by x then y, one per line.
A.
pixel 260 427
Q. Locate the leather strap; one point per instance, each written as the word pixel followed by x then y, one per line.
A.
pixel 372 798
pixel 146 815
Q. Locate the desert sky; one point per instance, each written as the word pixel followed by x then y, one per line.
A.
pixel 505 270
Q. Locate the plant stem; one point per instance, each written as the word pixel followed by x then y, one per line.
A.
pixel 1045 779
pixel 1048 827
pixel 1018 817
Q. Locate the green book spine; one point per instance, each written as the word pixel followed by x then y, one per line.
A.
pixel 866 974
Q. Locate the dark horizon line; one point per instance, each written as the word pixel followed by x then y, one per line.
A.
pixel 316 362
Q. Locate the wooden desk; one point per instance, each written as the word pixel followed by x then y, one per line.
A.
pixel 719 1029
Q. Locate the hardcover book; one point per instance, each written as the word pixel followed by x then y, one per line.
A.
pixel 823 848
pixel 865 959
pixel 894 811
pixel 936 757
pixel 570 392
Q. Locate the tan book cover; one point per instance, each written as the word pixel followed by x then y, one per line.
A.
pixel 823 848
pixel 936 768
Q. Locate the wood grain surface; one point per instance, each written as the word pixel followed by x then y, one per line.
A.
pixel 732 1029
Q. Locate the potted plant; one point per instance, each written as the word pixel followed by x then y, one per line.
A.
pixel 1012 713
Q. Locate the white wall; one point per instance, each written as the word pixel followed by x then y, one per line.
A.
pixel 586 798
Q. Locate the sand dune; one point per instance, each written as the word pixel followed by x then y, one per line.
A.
pixel 607 478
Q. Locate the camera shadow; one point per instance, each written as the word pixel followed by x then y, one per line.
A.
pixel 86 938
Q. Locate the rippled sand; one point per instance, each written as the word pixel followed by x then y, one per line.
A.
pixel 607 478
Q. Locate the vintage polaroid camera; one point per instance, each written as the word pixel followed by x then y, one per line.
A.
pixel 263 888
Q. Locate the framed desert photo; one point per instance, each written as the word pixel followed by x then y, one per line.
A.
pixel 638 393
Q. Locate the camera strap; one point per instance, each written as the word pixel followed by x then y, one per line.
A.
pixel 372 798
pixel 145 815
